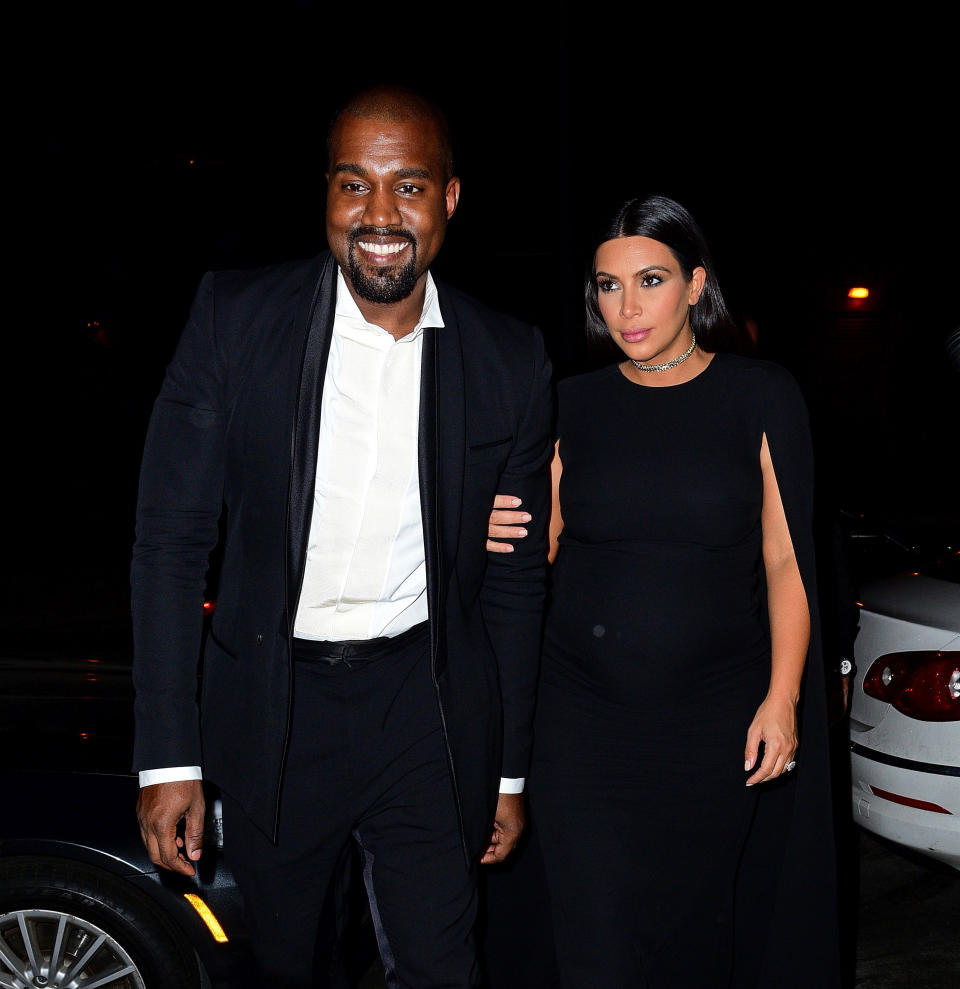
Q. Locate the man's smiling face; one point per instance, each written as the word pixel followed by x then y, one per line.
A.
pixel 389 197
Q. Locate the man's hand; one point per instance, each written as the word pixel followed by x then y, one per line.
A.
pixel 507 827
pixel 506 522
pixel 160 808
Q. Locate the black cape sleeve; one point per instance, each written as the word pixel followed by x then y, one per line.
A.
pixel 787 890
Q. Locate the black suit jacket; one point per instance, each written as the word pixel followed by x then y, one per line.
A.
pixel 231 448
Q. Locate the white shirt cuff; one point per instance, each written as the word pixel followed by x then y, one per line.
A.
pixel 173 774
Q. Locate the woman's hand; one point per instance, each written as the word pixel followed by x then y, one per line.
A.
pixel 507 518
pixel 775 724
pixel 506 522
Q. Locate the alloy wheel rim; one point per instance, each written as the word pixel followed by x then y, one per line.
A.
pixel 51 949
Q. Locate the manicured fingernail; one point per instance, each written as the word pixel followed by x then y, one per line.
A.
pixel 526 517
pixel 517 501
pixel 522 532
pixel 746 765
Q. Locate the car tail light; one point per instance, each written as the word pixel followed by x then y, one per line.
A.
pixel 921 685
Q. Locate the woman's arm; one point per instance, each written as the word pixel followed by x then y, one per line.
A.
pixel 507 518
pixel 775 723
pixel 556 519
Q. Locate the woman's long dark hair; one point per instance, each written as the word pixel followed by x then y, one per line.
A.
pixel 665 220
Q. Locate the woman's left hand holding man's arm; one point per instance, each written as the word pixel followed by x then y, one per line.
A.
pixel 506 522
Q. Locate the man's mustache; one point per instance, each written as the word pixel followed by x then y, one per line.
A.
pixel 359 232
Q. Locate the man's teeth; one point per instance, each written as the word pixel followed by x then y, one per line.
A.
pixel 384 249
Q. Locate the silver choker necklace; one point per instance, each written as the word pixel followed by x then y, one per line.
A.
pixel 666 365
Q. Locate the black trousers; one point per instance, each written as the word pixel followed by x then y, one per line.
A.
pixel 366 762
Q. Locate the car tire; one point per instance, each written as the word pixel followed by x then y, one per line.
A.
pixel 44 896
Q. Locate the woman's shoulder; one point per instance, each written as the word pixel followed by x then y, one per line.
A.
pixel 758 378
pixel 767 394
pixel 579 386
pixel 752 367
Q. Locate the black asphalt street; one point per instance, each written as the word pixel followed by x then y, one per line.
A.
pixel 908 918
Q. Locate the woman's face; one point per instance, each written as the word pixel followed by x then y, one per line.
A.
pixel 644 297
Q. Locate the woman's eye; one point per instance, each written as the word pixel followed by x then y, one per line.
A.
pixel 605 285
pixel 650 280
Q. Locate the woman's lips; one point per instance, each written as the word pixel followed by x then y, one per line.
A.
pixel 635 336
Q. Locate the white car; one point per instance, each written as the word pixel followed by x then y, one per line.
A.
pixel 905 710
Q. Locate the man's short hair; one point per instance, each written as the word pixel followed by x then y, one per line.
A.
pixel 396 104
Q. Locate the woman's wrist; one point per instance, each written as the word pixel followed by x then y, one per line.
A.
pixel 779 694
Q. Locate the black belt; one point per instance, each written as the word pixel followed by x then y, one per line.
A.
pixel 347 651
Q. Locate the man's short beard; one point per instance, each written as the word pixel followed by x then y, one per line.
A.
pixel 382 286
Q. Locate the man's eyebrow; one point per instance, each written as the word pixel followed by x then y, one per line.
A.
pixel 350 167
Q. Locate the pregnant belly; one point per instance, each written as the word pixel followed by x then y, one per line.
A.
pixel 650 628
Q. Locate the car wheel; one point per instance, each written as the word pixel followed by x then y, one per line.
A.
pixel 64 924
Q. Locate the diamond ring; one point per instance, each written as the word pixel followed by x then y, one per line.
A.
pixel 790 766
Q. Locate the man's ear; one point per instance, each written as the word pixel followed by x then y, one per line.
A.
pixel 452 195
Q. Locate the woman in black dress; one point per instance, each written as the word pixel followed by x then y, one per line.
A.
pixel 681 849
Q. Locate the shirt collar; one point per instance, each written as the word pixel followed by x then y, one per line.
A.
pixel 347 309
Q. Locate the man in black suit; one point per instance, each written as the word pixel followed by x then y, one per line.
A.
pixel 370 672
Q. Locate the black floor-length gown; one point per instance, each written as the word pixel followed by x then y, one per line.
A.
pixel 656 657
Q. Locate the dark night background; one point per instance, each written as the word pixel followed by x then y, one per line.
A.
pixel 167 139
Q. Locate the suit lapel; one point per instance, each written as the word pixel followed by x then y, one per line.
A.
pixel 441 452
pixel 315 316
pixel 440 446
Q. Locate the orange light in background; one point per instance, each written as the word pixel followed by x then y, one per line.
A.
pixel 206 915
pixel 858 293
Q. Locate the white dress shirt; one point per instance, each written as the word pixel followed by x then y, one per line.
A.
pixel 365 573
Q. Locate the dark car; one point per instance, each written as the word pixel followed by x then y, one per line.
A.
pixel 80 902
